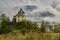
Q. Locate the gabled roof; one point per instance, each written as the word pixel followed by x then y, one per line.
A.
pixel 20 13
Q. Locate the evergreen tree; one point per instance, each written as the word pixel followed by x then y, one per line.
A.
pixel 43 26
pixel 4 24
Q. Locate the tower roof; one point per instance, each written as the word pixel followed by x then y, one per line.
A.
pixel 21 12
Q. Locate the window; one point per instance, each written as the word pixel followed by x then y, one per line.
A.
pixel 18 20
pixel 18 16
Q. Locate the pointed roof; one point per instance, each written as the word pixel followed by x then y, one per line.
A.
pixel 21 12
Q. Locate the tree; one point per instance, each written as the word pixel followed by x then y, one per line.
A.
pixel 4 18
pixel 4 24
pixel 43 26
pixel 46 27
pixel 57 29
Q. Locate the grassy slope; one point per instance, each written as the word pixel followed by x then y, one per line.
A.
pixel 30 36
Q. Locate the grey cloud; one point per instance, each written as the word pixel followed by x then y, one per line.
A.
pixel 30 7
pixel 47 14
pixel 11 7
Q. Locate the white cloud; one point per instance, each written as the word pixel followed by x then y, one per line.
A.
pixel 11 7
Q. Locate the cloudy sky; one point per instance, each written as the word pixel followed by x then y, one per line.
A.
pixel 33 8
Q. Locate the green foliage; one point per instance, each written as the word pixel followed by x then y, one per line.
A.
pixel 4 18
pixel 4 24
pixel 23 26
pixel 57 29
pixel 43 26
pixel 46 27
pixel 30 30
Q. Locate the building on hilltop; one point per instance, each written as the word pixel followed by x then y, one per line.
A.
pixel 20 16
